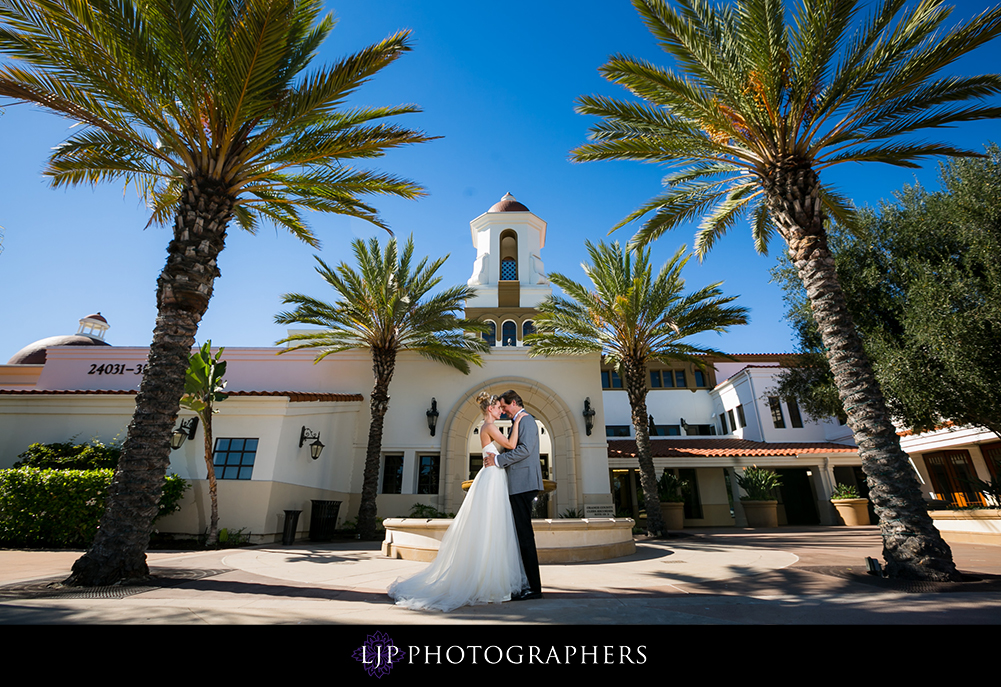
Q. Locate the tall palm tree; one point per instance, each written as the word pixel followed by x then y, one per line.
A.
pixel 385 307
pixel 206 107
pixel 757 108
pixel 633 319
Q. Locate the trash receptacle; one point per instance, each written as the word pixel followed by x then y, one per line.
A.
pixel 291 525
pixel 323 520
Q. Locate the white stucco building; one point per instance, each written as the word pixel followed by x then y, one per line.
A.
pixel 707 422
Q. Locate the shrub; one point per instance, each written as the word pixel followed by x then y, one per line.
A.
pixel 844 491
pixel 422 510
pixel 69 456
pixel 758 483
pixel 58 507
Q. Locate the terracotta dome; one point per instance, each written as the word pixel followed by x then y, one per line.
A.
pixel 508 204
pixel 34 353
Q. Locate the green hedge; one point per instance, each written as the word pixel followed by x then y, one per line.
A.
pixel 52 507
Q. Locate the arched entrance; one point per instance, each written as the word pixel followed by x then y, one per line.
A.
pixel 541 402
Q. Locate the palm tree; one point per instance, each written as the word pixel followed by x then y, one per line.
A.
pixel 203 385
pixel 383 308
pixel 633 319
pixel 757 108
pixel 207 109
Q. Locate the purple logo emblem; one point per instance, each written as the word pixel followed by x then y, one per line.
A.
pixel 378 654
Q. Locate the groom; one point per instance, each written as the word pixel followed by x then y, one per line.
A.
pixel 524 477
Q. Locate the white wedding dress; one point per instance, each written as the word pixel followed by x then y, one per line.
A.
pixel 478 561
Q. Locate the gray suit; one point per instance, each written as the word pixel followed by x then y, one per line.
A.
pixel 524 472
pixel 524 481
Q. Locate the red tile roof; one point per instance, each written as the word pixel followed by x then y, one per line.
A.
pixel 692 446
pixel 293 396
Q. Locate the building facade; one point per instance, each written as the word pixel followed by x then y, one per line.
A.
pixel 707 423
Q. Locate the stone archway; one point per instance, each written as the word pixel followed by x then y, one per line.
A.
pixel 540 401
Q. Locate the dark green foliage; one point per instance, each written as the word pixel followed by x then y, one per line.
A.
pixel 422 510
pixel 923 282
pixel 69 456
pixel 61 507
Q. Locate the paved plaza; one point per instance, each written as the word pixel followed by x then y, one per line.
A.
pixel 784 576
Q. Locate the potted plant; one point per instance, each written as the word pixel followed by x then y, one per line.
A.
pixel 671 490
pixel 853 509
pixel 759 506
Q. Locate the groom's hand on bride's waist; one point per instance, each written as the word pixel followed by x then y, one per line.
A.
pixel 488 460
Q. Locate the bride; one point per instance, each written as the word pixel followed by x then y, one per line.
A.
pixel 478 560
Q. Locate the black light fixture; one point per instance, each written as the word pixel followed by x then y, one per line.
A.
pixel 316 447
pixel 588 415
pixel 185 431
pixel 652 427
pixel 432 415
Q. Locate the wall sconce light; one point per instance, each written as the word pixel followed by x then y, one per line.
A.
pixel 588 415
pixel 185 431
pixel 316 447
pixel 652 427
pixel 432 415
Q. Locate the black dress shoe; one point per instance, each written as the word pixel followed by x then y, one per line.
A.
pixel 525 595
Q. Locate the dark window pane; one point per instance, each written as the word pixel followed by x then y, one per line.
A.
pixel 427 479
pixel 392 475
pixel 700 379
pixel 794 417
pixel 616 430
pixel 230 454
pixel 679 379
pixel 491 336
pixel 655 382
pixel 740 414
pixel 508 332
pixel 777 419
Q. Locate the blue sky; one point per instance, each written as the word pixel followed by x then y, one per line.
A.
pixel 497 81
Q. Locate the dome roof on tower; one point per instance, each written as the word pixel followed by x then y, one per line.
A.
pixel 508 204
pixel 91 333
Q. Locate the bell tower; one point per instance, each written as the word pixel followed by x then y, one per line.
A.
pixel 508 275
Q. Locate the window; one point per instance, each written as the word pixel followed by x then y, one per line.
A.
pixel 777 419
pixel 527 328
pixel 700 380
pixel 700 430
pixel 234 458
pixel 952 475
pixel 392 475
pixel 509 334
pixel 733 424
pixel 509 269
pixel 475 464
pixel 665 431
pixel 794 417
pixel 491 336
pixel 666 379
pixel 740 415
pixel 722 424
pixel 610 380
pixel 427 474
pixel 616 430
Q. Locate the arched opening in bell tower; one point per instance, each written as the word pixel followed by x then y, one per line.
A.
pixel 509 255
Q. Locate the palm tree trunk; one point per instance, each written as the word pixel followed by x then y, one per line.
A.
pixel 183 291
pixel 213 536
pixel 383 366
pixel 634 377
pixel 912 546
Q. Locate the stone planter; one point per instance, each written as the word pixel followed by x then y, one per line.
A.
pixel 674 514
pixel 761 513
pixel 854 512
